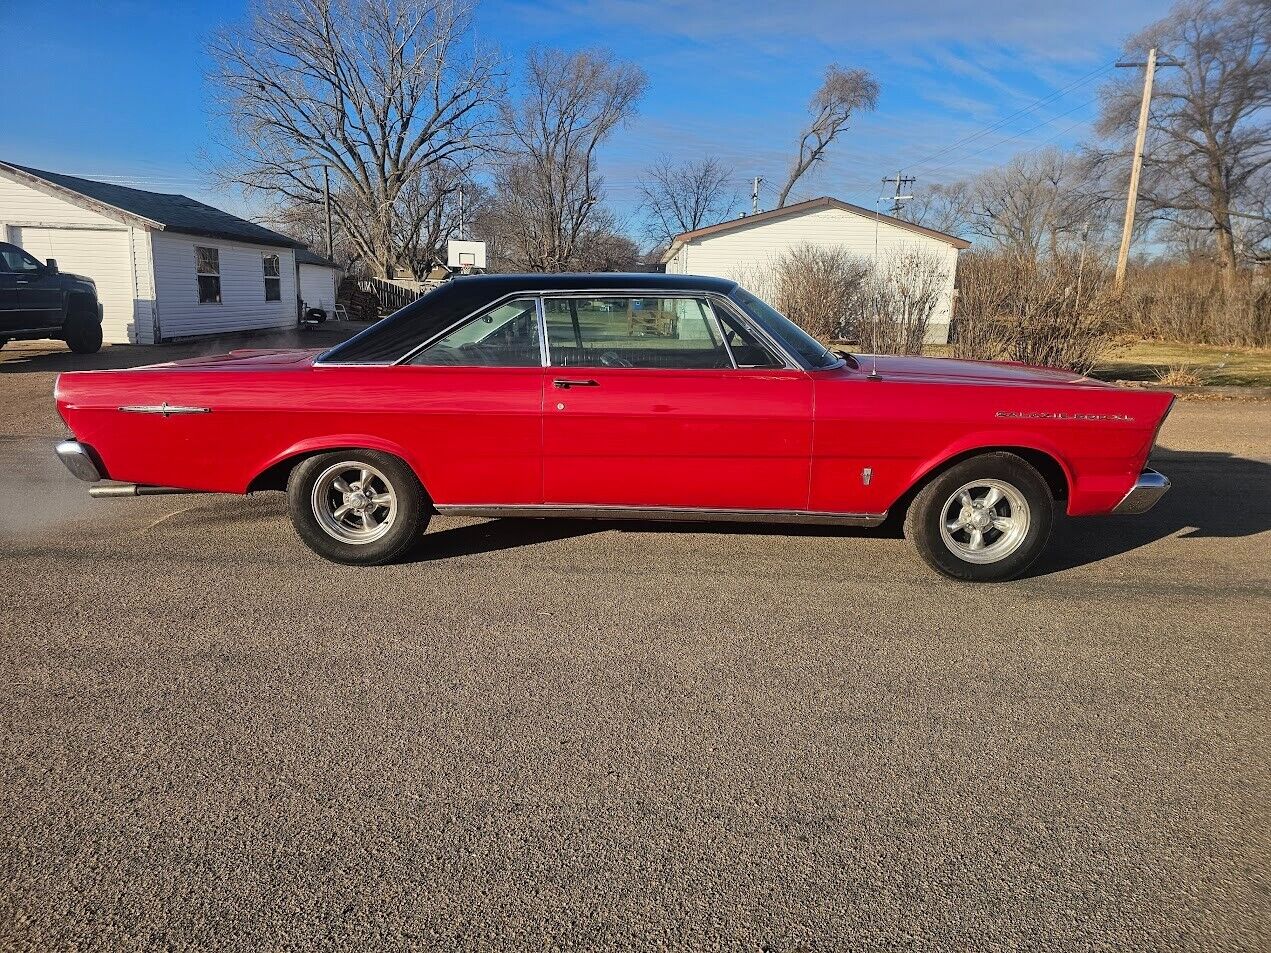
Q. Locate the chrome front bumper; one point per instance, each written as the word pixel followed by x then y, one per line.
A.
pixel 80 460
pixel 1145 494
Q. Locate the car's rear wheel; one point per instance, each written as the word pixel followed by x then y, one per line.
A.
pixel 83 331
pixel 986 519
pixel 360 507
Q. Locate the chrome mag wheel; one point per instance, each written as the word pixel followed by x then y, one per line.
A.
pixel 354 502
pixel 984 521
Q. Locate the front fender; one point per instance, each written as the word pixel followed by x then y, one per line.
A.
pixel 988 441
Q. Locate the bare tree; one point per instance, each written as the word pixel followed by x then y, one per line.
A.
pixel 685 196
pixel 387 93
pixel 546 185
pixel 842 93
pixel 1039 202
pixel 946 208
pixel 1209 138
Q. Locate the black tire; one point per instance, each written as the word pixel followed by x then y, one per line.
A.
pixel 83 331
pixel 313 498
pixel 1018 521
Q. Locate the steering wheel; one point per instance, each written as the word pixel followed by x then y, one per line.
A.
pixel 613 359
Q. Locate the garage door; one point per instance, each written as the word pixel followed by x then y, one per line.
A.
pixel 101 254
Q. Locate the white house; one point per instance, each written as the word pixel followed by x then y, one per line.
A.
pixel 738 248
pixel 166 266
pixel 318 279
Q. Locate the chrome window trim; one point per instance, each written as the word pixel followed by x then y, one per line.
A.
pixel 714 297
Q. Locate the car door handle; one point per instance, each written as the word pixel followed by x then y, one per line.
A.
pixel 567 384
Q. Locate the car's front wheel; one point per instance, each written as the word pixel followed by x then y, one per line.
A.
pixel 83 331
pixel 986 519
pixel 359 507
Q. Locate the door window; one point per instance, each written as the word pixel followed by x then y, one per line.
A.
pixel 504 336
pixel 18 260
pixel 669 333
pixel 747 347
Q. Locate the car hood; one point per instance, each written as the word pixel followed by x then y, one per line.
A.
pixel 246 359
pixel 948 371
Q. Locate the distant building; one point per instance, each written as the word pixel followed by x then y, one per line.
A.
pixel 737 248
pixel 166 266
pixel 318 279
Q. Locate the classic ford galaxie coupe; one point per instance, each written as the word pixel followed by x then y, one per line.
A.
pixel 621 396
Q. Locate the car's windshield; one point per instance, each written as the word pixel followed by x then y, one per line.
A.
pixel 806 349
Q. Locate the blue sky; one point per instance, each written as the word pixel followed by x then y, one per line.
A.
pixel 115 89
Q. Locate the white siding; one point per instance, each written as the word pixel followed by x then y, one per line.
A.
pixel 101 254
pixel 22 205
pixel 243 306
pixel 741 252
pixel 317 287
pixel 84 242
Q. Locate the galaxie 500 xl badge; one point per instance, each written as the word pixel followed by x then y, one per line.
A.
pixel 1061 415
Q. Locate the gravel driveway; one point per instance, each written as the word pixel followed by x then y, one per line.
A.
pixel 574 734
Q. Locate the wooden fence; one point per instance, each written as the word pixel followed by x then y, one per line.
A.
pixel 391 296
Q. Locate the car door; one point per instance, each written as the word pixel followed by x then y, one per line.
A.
pixel 39 292
pixel 8 294
pixel 646 406
pixel 469 406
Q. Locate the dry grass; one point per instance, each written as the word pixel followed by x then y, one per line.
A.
pixel 1153 361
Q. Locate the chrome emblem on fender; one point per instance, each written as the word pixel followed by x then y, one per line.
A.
pixel 166 409
pixel 1061 415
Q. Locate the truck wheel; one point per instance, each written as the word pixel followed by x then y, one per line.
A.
pixel 358 507
pixel 987 519
pixel 83 332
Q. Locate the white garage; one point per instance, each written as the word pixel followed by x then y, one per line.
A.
pixel 318 279
pixel 165 266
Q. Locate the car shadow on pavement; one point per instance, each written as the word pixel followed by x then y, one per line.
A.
pixel 1199 505
pixel 1212 495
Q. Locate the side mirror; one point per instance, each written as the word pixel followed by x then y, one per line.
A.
pixel 51 265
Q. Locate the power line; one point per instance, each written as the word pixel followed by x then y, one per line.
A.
pixel 1033 107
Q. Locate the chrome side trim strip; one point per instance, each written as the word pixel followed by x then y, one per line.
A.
pixel 165 408
pixel 686 514
pixel 1145 494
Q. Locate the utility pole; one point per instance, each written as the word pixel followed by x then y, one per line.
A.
pixel 461 213
pixel 754 194
pixel 1123 256
pixel 326 190
pixel 901 181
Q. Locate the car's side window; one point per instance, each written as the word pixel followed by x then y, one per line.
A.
pixel 620 331
pixel 747 347
pixel 18 260
pixel 504 336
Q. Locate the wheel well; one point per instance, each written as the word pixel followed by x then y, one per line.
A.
pixel 1041 461
pixel 79 303
pixel 276 476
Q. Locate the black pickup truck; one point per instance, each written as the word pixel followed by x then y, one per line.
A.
pixel 38 301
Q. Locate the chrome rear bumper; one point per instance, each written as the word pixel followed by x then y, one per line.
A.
pixel 1145 494
pixel 80 460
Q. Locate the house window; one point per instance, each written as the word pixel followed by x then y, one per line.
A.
pixel 273 279
pixel 208 261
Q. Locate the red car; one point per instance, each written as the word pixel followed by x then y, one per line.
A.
pixel 621 396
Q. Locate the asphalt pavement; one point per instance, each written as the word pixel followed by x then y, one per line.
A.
pixel 566 734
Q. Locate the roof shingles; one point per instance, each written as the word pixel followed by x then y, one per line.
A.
pixel 176 213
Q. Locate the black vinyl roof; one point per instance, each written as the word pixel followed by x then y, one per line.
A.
pixel 390 339
pixel 177 213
